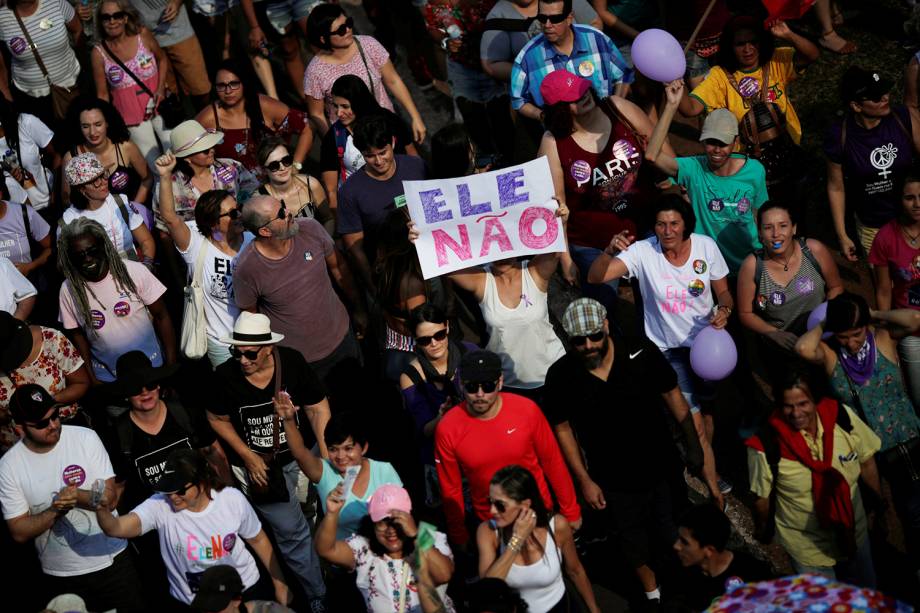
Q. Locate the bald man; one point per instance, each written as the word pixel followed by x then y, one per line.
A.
pixel 287 274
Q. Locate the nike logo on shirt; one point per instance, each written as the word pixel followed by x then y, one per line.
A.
pixel 632 355
pixel 510 430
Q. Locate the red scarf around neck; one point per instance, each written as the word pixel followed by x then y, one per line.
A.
pixel 829 488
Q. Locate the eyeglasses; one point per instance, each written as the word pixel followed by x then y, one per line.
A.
pixel 580 341
pixel 90 252
pixel 498 504
pixel 282 214
pixel 44 423
pixel 113 16
pixel 97 182
pixel 250 355
pixel 343 29
pixel 554 19
pixel 181 491
pixel 424 341
pixel 232 214
pixel 472 387
pixel 285 162
pixel 229 86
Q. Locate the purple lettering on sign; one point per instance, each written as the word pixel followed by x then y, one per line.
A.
pixel 443 240
pixel 466 206
pixel 494 231
pixel 432 201
pixel 525 227
pixel 508 184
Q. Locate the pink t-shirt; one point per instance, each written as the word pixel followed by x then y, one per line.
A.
pixel 891 249
pixel 120 322
pixel 320 75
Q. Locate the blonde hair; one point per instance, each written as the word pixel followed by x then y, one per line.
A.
pixel 132 25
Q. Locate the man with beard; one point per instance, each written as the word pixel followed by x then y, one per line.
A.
pixel 48 484
pixel 285 274
pixel 610 396
pixel 489 430
pixel 109 305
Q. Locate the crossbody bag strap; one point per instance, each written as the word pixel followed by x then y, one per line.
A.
pixel 276 423
pixel 367 67
pixel 199 263
pixel 746 119
pixel 121 65
pixel 25 32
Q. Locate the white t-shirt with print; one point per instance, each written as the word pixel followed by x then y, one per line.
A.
pixel 33 135
pixel 678 299
pixel 381 579
pixel 191 543
pixel 220 309
pixel 109 216
pixel 75 545
pixel 14 287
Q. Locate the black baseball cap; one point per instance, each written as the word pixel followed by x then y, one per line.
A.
pixel 858 84
pixel 480 366
pixel 219 585
pixel 178 472
pixel 29 403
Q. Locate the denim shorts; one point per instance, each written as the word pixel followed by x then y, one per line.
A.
pixel 213 8
pixel 281 13
pixel 694 389
pixel 474 85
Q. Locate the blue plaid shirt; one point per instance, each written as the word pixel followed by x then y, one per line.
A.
pixel 594 56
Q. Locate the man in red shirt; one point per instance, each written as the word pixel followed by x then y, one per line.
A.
pixel 489 430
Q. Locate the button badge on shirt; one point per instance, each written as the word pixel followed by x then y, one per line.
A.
pixel 586 68
pixel 308 256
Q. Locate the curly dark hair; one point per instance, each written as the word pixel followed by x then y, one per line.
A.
pixel 116 129
pixel 726 57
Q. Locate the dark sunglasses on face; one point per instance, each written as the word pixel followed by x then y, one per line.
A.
pixel 238 353
pixel 113 16
pixel 472 387
pixel 580 341
pixel 282 214
pixel 228 86
pixel 498 504
pixel 285 162
pixel 44 423
pixel 554 19
pixel 181 491
pixel 232 214
pixel 343 29
pixel 424 341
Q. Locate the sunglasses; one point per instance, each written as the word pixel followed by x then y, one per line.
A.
pixel 580 341
pixel 472 387
pixel 113 16
pixel 44 423
pixel 229 86
pixel 424 341
pixel 181 491
pixel 232 214
pixel 250 355
pixel 282 214
pixel 285 162
pixel 498 504
pixel 554 19
pixel 343 29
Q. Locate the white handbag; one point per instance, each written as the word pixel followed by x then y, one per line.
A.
pixel 194 337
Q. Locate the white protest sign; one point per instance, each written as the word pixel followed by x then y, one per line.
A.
pixel 485 217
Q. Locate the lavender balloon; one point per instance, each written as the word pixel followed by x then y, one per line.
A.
pixel 658 55
pixel 713 355
pixel 817 316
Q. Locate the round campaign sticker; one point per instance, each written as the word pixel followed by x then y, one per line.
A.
pixel 229 542
pixel 17 45
pixel 586 68
pixel 74 475
pixel 696 287
pixel 778 298
pixel 122 308
pixel 581 170
pixel 748 86
pixel 744 205
pixel 716 205
pixel 227 174
pixel 115 75
pixel 624 150
pixel 119 179
pixel 699 266
pixel 761 301
pixel 805 285
pixel 98 319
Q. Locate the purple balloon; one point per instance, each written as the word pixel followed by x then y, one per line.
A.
pixel 817 316
pixel 659 56
pixel 713 355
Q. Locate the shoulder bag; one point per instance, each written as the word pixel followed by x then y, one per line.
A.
pixel 193 339
pixel 61 97
pixel 169 108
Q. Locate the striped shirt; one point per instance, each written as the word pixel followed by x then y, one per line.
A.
pixel 48 28
pixel 594 56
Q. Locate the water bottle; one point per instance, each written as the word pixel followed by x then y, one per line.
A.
pixel 10 159
pixel 96 493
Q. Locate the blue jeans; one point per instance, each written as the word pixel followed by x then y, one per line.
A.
pixel 605 293
pixel 472 84
pixel 858 570
pixel 909 351
pixel 691 386
pixel 218 353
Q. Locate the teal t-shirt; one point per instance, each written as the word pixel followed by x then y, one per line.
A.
pixel 725 207
pixel 355 508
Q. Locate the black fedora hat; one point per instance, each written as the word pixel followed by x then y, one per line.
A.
pixel 133 371
pixel 15 342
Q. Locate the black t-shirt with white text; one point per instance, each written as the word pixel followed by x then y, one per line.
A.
pixel 695 591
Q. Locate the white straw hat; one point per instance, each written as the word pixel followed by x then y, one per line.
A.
pixel 252 329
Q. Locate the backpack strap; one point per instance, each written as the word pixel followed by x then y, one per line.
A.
pixel 806 251
pixel 414 376
pixel 758 273
pixel 180 414
pixel 125 431
pixel 122 201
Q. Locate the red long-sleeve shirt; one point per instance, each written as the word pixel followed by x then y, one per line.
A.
pixel 478 448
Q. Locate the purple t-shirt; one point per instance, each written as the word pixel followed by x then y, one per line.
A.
pixel 874 164
pixel 295 292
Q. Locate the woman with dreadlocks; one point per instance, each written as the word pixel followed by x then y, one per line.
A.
pixel 110 305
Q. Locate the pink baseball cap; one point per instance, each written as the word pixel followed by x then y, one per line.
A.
pixel 563 86
pixel 387 498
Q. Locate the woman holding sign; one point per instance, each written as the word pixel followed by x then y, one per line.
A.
pixel 595 150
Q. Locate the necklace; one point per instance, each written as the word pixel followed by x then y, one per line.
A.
pixel 913 239
pixel 296 188
pixel 785 262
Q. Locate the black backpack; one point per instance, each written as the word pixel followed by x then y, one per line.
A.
pixel 126 433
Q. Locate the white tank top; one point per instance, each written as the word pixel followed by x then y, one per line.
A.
pixel 522 337
pixel 540 584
